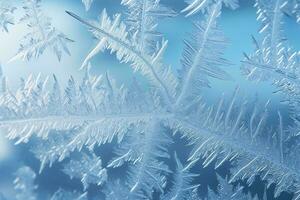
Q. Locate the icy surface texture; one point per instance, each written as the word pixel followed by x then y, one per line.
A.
pixel 68 124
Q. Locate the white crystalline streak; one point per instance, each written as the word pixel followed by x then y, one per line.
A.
pixel 87 4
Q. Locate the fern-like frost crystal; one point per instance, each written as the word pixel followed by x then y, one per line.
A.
pixel 6 15
pixel 182 187
pixel 42 34
pixel 69 124
pixel 201 57
pixel 113 35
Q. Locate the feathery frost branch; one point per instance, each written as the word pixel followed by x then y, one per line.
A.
pixel 42 34
pixel 75 121
pixel 182 186
pixel 142 20
pixel 201 57
pixel 113 35
pixel 6 15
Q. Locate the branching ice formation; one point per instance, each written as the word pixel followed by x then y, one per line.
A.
pixel 182 187
pixel 42 34
pixel 141 122
pixel 6 15
pixel 87 4
pixel 274 60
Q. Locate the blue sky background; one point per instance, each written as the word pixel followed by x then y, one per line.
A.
pixel 238 26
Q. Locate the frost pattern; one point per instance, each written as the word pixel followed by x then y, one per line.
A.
pixel 275 60
pixel 195 6
pixel 141 122
pixel 42 34
pixel 294 9
pixel 6 15
pixel 143 18
pixel 182 187
pixel 87 4
pixel 203 50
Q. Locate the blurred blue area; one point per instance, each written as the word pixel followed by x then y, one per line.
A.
pixel 238 27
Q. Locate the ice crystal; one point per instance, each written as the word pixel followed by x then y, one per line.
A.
pixel 42 34
pixel 69 124
pixel 195 6
pixel 274 60
pixel 6 15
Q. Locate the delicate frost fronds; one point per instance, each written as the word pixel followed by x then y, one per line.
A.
pixel 195 6
pixel 143 18
pixel 202 57
pixel 271 16
pixel 94 113
pixel 224 135
pixel 274 60
pixel 182 188
pixel 49 150
pixel 296 10
pixel 88 168
pixel 97 111
pixel 42 34
pixel 6 15
pixel 293 9
pixel 24 184
pixel 87 4
pixel 147 172
pixel 113 35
